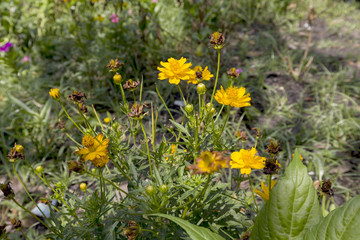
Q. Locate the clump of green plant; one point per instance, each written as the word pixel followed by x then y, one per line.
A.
pixel 140 175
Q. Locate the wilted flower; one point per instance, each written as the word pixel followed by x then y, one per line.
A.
pixel 209 162
pixel 273 147
pixel 265 194
pixel 60 124
pixel 199 75
pixel 75 166
pixel 77 97
pixel 114 65
pixel 326 187
pixel 7 190
pixel 137 111
pixel 16 223
pixel 246 160
pixel 55 94
pixel 131 85
pixel 114 18
pixel 175 70
pixel 272 166
pixel 132 231
pixel 217 40
pixel 233 96
pixel 233 72
pixel 95 150
pixel 6 47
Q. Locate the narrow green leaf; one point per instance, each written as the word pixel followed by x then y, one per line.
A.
pixel 195 232
pixel 293 207
pixel 180 127
pixel 23 105
pixel 341 224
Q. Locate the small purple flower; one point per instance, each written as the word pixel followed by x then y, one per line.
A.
pixel 25 59
pixel 114 18
pixel 6 47
pixel 239 70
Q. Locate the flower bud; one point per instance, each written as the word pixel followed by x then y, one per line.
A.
pixel 19 148
pixel 201 88
pixel 212 111
pixel 83 187
pixel 164 188
pixel 208 106
pixel 55 94
pixel 117 78
pixel 93 170
pixel 189 108
pixel 106 120
pixel 39 169
pixel 150 190
pixel 217 40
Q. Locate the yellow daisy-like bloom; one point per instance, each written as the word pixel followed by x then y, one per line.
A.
pixel 55 94
pixel 199 75
pixel 175 70
pixel 265 194
pixel 246 160
pixel 209 162
pixel 233 96
pixel 95 150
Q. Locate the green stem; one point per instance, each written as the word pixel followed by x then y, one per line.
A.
pixel 164 103
pixel 147 147
pixel 253 194
pixel 217 77
pixel 182 95
pixel 222 107
pixel 124 97
pixel 71 119
pixel 226 121
pixel 24 234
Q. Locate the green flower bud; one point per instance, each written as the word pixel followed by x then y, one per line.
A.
pixel 189 108
pixel 201 88
pixel 58 184
pixel 150 190
pixel 39 169
pixel 164 188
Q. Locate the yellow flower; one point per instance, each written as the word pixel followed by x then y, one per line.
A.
pixel 301 157
pixel 246 160
pixel 95 150
pixel 55 94
pixel 209 162
pixel 99 18
pixel 233 96
pixel 175 70
pixel 173 148
pixel 200 74
pixel 106 120
pixel 265 194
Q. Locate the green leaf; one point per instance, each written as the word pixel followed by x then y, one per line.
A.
pixel 180 127
pixel 195 232
pixel 341 224
pixel 293 207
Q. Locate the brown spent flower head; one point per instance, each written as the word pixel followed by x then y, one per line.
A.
pixel 271 166
pixel 83 108
pixel 16 223
pixel 132 231
pixel 326 187
pixel 217 40
pixel 13 155
pixel 77 97
pixel 209 162
pixel 246 236
pixel 7 190
pixel 75 166
pixel 131 85
pixel 274 147
pixel 241 135
pixel 137 111
pixel 257 132
pixel 114 65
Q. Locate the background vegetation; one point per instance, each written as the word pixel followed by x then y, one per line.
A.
pixel 310 102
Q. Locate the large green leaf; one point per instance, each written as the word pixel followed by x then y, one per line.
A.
pixel 341 224
pixel 195 232
pixel 293 206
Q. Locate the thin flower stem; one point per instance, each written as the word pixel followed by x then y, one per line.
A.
pixel 148 149
pixel 182 95
pixel 37 218
pixel 124 97
pixel 164 103
pixel 71 119
pixel 217 77
pixel 253 194
pixel 226 121
pixel 24 234
pixel 222 107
